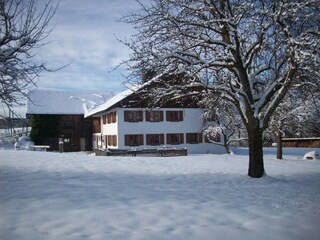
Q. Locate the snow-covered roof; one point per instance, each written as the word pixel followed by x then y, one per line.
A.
pixel 111 102
pixel 43 101
pixel 120 96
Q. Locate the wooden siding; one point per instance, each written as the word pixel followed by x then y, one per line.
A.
pixel 72 128
pixel 302 142
pixel 96 125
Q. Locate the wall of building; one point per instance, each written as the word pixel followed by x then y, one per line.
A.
pixel 75 131
pixel 191 124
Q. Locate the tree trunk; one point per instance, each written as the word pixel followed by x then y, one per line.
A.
pixel 225 143
pixel 279 145
pixel 256 166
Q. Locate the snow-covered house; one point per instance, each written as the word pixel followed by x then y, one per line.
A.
pixel 69 109
pixel 125 122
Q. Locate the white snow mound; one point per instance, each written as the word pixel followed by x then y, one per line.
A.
pixel 313 155
pixel 23 143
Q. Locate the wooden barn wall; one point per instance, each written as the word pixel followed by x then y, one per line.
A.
pixel 308 143
pixel 72 128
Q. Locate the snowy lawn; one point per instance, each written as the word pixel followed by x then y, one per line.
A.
pixel 72 196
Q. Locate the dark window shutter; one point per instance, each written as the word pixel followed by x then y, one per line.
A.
pixel 108 118
pixel 141 139
pixel 115 140
pixel 126 116
pixel 114 117
pixel 188 137
pixel 140 116
pixel 161 139
pixel 181 140
pixel 148 136
pixel 180 115
pixel 161 116
pixel 126 140
pixel 168 138
pixel 148 116
pixel 168 116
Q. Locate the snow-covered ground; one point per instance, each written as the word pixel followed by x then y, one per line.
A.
pixel 47 195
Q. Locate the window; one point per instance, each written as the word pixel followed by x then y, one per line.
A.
pixel 112 117
pixel 175 138
pixel 133 116
pixel 154 116
pixel 194 138
pixel 112 140
pixel 66 125
pixel 133 140
pixel 174 116
pixel 155 139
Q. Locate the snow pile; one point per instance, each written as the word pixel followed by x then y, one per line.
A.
pixel 45 195
pixel 6 143
pixel 313 155
pixel 23 143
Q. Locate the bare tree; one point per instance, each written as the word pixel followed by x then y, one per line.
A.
pixel 221 119
pixel 298 115
pixel 286 119
pixel 23 28
pixel 250 51
pixel 310 99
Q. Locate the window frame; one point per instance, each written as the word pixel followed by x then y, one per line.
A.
pixel 175 138
pixel 194 138
pixel 133 116
pixel 174 116
pixel 112 140
pixel 150 116
pixel 150 138
pixel 133 140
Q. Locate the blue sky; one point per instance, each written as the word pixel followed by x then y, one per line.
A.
pixel 85 35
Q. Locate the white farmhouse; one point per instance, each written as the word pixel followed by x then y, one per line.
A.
pixel 125 122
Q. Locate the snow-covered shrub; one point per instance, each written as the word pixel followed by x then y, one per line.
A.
pixel 313 155
pixel 23 143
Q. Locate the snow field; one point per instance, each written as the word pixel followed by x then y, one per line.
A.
pixel 47 195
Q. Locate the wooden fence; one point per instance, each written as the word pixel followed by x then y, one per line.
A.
pixel 162 152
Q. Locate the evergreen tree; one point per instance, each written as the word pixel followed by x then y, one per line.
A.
pixel 43 127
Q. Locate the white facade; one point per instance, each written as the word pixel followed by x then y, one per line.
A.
pixel 185 132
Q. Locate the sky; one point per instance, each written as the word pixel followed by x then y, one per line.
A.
pixel 85 39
